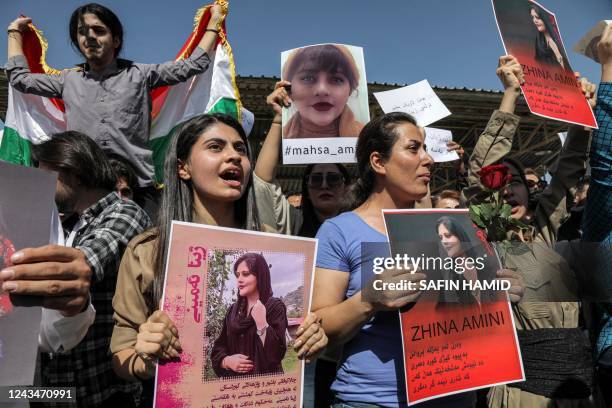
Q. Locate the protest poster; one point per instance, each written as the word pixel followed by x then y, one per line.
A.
pixel 329 107
pixel 460 334
pixel 418 100
pixel 587 45
pixel 530 33
pixel 436 141
pixel 26 208
pixel 211 275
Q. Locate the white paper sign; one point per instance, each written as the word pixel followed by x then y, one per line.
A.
pixel 588 44
pixel 436 140
pixel 319 150
pixel 418 100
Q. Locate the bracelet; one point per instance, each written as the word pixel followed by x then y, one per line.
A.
pixel 262 331
pixel 132 364
pixel 214 31
pixel 13 30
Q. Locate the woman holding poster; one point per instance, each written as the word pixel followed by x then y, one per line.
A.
pixel 556 355
pixel 252 340
pixel 394 171
pixel 322 78
pixel 208 180
pixel 324 185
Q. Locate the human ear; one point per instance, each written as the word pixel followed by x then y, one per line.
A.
pixel 116 43
pixel 377 163
pixel 183 170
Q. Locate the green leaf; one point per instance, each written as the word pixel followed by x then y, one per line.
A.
pixel 475 209
pixel 506 211
pixel 486 211
pixel 475 216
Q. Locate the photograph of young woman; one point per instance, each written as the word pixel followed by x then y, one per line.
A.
pixel 322 80
pixel 252 340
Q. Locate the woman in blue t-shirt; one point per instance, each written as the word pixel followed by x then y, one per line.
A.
pixel 394 172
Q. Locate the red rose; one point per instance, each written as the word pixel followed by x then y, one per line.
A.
pixel 494 177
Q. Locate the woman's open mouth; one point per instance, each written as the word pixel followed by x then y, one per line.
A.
pixel 322 106
pixel 232 177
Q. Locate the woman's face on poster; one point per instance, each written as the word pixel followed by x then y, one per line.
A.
pixel 537 21
pixel 320 96
pixel 450 242
pixel 247 282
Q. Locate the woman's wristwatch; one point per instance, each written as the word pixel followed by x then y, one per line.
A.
pixel 262 331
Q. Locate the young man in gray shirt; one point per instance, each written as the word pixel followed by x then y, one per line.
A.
pixel 106 97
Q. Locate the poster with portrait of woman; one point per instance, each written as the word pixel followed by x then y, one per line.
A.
pixel 237 299
pixel 531 34
pixel 26 208
pixel 329 103
pixel 460 334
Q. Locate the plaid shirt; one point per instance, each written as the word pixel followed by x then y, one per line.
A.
pixel 597 220
pixel 103 233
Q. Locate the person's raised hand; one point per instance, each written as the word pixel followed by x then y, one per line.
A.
pixel 279 98
pixel 453 146
pixel 20 23
pixel 158 338
pixel 604 52
pixel 217 14
pixel 238 363
pixel 311 338
pixel 589 90
pixel 381 290
pixel 59 276
pixel 517 285
pixel 510 73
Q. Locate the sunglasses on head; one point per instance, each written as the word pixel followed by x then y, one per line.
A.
pixel 332 180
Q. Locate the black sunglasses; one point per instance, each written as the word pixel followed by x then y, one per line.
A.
pixel 332 180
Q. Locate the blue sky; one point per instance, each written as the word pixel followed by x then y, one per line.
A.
pixel 449 42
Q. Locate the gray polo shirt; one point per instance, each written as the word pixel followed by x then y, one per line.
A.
pixel 114 107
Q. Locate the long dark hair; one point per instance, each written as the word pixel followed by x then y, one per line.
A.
pixel 259 267
pixel 310 221
pixel 77 154
pixel 543 52
pixel 379 135
pixel 105 15
pixel 177 195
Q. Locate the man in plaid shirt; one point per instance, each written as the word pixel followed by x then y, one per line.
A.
pixel 597 221
pixel 100 226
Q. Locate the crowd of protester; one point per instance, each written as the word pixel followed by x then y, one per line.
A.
pixel 106 283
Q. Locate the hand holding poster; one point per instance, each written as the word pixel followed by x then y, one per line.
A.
pixel 330 103
pixel 436 141
pixel 460 334
pixel 531 34
pixel 26 203
pixel 237 301
pixel 418 100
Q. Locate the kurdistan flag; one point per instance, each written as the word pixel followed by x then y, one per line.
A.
pixel 32 119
